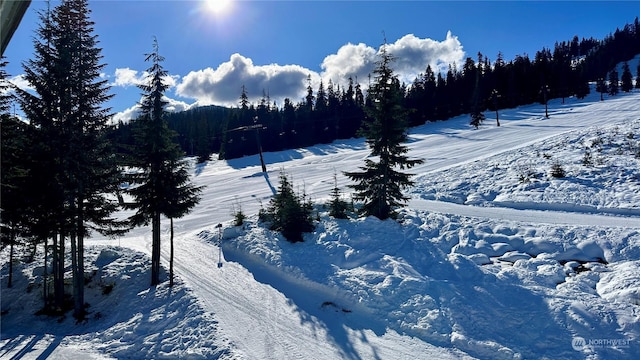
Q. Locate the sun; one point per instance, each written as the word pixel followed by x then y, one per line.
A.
pixel 218 7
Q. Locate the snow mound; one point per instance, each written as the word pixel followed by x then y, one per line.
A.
pixel 489 288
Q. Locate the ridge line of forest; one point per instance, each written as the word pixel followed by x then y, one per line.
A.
pixel 332 112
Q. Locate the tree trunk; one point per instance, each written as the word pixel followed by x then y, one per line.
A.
pixel 74 272
pixel 11 244
pixel 45 287
pixel 171 256
pixel 58 279
pixel 54 267
pixel 78 291
pixel 155 249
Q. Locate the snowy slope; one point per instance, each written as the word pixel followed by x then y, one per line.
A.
pixel 493 257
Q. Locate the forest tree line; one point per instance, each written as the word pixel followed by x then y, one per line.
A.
pixel 64 178
pixel 333 112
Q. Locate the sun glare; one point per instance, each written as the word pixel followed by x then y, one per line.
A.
pixel 218 7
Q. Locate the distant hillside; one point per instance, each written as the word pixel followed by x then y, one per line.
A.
pixel 332 112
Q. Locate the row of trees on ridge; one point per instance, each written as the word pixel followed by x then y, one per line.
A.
pixel 333 112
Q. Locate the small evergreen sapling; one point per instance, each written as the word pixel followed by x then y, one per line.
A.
pixel 238 215
pixel 557 171
pixel 477 118
pixel 338 208
pixel 626 79
pixel 288 212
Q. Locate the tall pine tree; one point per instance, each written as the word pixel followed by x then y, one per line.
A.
pixel 379 185
pixel 626 79
pixel 92 170
pixel 75 160
pixel 46 200
pixel 161 185
pixel 13 151
pixel 613 82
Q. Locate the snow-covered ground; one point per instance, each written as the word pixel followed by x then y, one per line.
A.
pixel 492 258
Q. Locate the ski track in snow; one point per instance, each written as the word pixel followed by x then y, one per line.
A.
pixel 263 313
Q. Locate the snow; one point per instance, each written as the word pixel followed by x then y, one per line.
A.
pixel 492 258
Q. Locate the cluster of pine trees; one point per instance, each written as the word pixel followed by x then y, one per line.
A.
pixel 379 184
pixel 321 117
pixel 331 112
pixel 62 174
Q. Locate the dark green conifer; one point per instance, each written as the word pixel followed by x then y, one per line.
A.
pixel 378 184
pixel 161 184
pixel 288 212
pixel 626 79
pixel 73 160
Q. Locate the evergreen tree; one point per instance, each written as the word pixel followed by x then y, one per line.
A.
pixel 308 105
pixel 477 118
pixel 378 183
pixel 68 114
pixel 477 103
pixel 359 97
pixel 91 169
pixel 161 180
pixel 337 206
pixel 46 197
pixel 244 99
pixel 613 82
pixel 638 77
pixel 182 196
pixel 626 79
pixel 601 87
pixel 582 87
pixel 13 150
pixel 288 121
pixel 288 212
pixel 321 99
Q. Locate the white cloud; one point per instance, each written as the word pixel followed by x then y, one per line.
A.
pixel 176 105
pixel 126 115
pixel 356 61
pixel 223 86
pixel 125 77
pixel 133 112
pixel 412 55
pixel 21 83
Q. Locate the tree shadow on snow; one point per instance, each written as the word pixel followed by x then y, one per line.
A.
pixel 319 307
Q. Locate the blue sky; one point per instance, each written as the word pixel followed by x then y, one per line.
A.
pixel 272 46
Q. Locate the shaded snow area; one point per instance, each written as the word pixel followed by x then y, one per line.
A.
pixel 127 318
pixel 494 257
pixel 490 288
